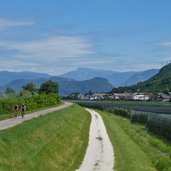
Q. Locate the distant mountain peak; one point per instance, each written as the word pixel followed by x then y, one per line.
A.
pixel 115 78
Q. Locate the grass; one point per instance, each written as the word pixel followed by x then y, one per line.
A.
pixel 136 149
pixel 54 142
pixel 11 115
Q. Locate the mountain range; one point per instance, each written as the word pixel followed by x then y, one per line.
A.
pixel 7 76
pixel 82 80
pixel 160 82
pixel 66 86
pixel 115 78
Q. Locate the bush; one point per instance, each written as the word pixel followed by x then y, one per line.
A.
pixel 31 102
pixel 163 164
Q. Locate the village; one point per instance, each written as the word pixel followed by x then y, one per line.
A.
pixel 162 97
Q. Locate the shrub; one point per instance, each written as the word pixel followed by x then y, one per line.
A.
pixel 31 102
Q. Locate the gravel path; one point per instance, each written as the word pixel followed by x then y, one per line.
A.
pixel 8 123
pixel 100 154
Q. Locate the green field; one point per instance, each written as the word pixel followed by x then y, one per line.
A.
pixel 55 142
pixel 135 149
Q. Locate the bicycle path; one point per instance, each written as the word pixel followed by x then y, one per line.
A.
pixel 8 123
pixel 100 154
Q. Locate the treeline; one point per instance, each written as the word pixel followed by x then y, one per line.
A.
pixel 31 96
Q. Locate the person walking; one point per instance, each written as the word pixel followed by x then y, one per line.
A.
pixel 23 110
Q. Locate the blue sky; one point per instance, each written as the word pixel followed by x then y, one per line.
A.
pixel 59 36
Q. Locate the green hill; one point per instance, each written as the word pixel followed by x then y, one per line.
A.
pixel 161 82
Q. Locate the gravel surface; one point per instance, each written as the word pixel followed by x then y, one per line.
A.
pixel 99 155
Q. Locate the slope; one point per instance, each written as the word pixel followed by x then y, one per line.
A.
pixel 57 141
pixel 161 82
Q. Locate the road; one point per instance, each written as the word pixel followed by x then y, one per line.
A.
pixel 99 155
pixel 8 123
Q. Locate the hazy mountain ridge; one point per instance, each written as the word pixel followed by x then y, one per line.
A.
pixel 115 78
pixel 66 86
pixel 140 77
pixel 96 80
pixel 7 76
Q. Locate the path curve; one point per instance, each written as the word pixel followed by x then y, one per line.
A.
pixel 99 155
pixel 8 123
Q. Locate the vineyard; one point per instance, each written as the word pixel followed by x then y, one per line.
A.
pixel 154 117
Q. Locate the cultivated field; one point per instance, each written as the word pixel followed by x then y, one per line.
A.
pixel 156 107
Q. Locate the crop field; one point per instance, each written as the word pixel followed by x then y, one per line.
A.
pixel 158 122
pixel 139 106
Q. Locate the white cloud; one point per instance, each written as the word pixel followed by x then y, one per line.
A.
pixel 8 23
pixel 165 44
pixel 51 48
pixel 51 55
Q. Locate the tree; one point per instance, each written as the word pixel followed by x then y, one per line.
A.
pixel 49 87
pixel 10 90
pixel 31 87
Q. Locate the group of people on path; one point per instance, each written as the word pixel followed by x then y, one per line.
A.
pixel 18 110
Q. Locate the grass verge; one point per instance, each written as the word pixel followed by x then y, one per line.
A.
pixel 135 149
pixel 56 141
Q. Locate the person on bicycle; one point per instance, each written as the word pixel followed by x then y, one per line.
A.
pixel 23 110
pixel 15 110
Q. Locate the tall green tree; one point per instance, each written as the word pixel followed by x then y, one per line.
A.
pixel 49 87
pixel 10 90
pixel 31 87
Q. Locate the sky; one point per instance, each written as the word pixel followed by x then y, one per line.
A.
pixel 57 36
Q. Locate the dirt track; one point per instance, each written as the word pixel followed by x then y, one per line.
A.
pixel 100 154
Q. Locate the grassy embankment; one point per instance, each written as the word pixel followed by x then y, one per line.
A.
pixel 56 141
pixel 135 149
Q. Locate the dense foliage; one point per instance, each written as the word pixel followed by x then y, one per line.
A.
pixel 31 102
pixel 158 83
pixel 31 87
pixel 31 97
pixel 49 87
